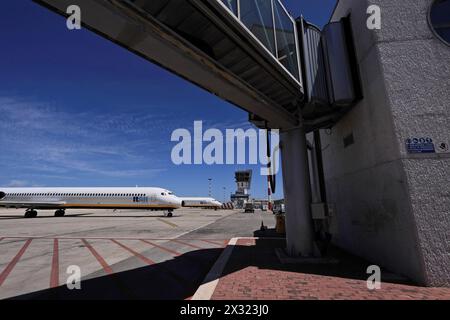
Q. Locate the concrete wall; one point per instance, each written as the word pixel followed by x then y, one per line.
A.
pixel 391 207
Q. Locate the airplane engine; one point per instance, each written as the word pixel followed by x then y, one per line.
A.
pixel 2 195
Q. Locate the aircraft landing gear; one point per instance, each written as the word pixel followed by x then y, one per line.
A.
pixel 60 213
pixel 170 213
pixel 30 213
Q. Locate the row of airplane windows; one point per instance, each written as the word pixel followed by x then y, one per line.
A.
pixel 76 194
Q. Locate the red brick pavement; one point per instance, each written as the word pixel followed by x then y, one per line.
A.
pixel 254 272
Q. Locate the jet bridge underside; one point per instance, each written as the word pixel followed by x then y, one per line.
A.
pixel 201 42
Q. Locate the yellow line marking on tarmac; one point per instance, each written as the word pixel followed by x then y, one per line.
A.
pixel 167 222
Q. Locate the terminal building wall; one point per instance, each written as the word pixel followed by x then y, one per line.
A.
pixel 389 206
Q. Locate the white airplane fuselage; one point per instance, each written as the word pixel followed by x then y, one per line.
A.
pixel 200 202
pixel 89 198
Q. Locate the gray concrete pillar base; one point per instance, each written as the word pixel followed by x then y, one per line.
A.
pixel 297 194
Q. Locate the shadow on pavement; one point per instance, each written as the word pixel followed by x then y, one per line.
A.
pixel 263 256
pixel 179 278
pixel 174 279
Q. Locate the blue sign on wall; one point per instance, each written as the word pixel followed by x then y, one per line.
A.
pixel 420 145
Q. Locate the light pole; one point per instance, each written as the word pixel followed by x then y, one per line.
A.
pixel 209 186
pixel 224 194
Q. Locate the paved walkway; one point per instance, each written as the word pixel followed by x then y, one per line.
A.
pixel 253 271
pixel 119 268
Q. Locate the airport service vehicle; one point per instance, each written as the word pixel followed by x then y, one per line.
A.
pixel 249 208
pixel 199 202
pixel 278 208
pixel 60 199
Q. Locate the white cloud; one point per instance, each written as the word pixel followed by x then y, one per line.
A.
pixel 17 183
pixel 46 141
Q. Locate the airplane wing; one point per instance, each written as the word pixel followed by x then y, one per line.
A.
pixel 32 204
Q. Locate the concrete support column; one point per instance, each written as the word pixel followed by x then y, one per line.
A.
pixel 297 193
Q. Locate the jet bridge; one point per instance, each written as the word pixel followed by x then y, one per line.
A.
pixel 246 52
pixel 287 74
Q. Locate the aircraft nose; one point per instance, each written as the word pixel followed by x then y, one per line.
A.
pixel 176 201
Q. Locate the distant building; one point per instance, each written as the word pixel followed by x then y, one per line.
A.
pixel 260 204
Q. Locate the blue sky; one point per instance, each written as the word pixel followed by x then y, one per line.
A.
pixel 77 110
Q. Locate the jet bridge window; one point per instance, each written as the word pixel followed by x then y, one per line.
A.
pixel 270 22
pixel 257 16
pixel 439 19
pixel 232 5
pixel 286 44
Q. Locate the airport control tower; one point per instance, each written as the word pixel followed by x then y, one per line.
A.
pixel 243 180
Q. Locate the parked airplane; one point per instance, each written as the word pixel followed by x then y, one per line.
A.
pixel 60 199
pixel 200 202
